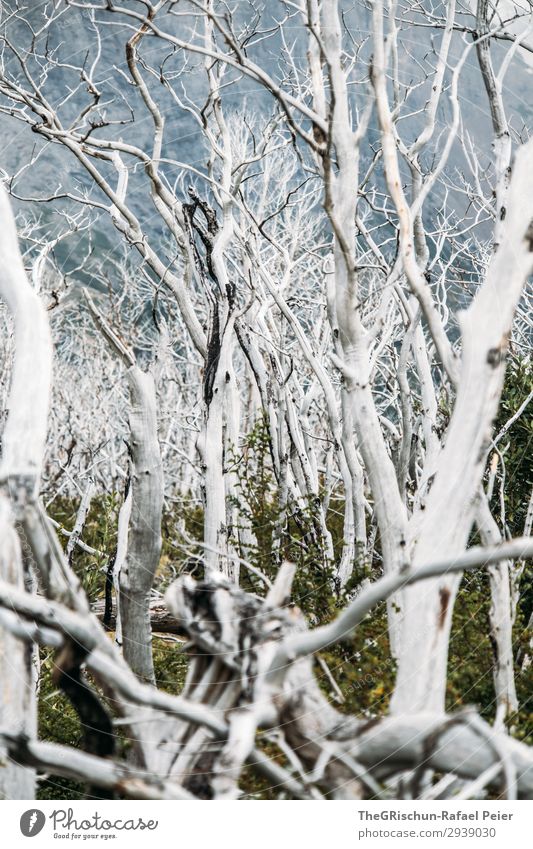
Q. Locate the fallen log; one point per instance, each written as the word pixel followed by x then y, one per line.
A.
pixel 161 620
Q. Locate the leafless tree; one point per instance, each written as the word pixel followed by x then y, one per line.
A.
pixel 339 254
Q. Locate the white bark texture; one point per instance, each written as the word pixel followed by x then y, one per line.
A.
pixel 449 509
pixel 144 532
pixel 308 310
pixel 23 441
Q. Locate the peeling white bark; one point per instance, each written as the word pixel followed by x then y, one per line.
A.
pixel 17 680
pixel 501 616
pixel 23 441
pixel 449 509
pixel 144 531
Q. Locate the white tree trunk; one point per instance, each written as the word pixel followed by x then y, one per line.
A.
pixel 23 441
pixel 17 680
pixel 449 510
pixel 501 619
pixel 144 531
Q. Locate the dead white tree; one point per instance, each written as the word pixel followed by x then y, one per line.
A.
pixel 141 546
pixel 323 266
pixel 23 441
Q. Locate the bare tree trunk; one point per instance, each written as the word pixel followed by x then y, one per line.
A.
pixel 23 441
pixel 137 564
pixel 218 399
pixel 449 510
pixel 144 532
pixel 501 620
pixel 17 680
